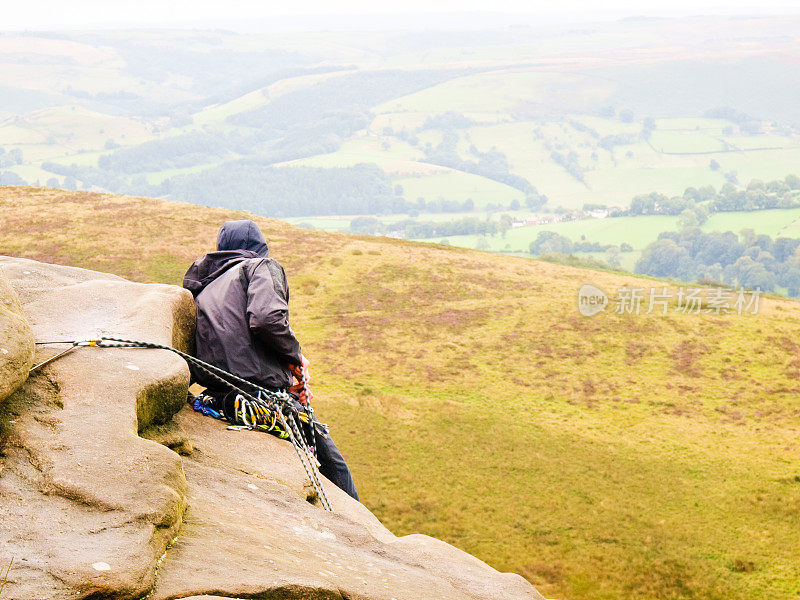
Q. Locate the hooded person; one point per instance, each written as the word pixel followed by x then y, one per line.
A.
pixel 242 300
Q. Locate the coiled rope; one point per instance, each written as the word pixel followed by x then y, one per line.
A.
pixel 276 404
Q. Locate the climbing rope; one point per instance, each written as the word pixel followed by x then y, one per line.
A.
pixel 60 354
pixel 277 405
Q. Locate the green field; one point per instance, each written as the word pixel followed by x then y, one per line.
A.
pixel 762 164
pixel 84 159
pixel 217 113
pixel 393 156
pixel 761 142
pixel 774 223
pixel 482 93
pixel 685 142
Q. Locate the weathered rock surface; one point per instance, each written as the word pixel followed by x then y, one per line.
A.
pixel 16 341
pixel 92 506
pixel 87 507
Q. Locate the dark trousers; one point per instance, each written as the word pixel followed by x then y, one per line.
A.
pixel 332 464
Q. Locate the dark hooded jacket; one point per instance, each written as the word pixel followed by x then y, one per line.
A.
pixel 242 299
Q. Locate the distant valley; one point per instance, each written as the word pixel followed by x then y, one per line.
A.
pixel 483 139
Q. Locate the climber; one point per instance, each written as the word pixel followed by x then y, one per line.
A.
pixel 243 327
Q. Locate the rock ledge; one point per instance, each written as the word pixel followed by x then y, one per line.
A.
pixel 95 504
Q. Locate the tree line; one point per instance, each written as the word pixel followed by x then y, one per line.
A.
pixel 550 242
pixel 10 158
pixel 746 260
pixel 290 191
pixel 702 201
pixel 491 164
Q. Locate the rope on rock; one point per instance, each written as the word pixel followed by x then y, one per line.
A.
pixel 276 404
pixel 60 354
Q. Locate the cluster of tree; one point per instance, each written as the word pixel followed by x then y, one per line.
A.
pixel 608 142
pixel 589 206
pixel 298 124
pixel 93 176
pixel 746 260
pixel 449 120
pixel 759 195
pixel 190 187
pixel 607 112
pixel 172 152
pixel 782 193
pixel 367 226
pixel 550 242
pixel 746 123
pixel 583 128
pixel 302 123
pixel 11 178
pixel 403 134
pixel 123 102
pixel 584 262
pixel 270 145
pixel 413 229
pixel 10 158
pixel 306 138
pixel 570 163
pixel 256 80
pixel 290 191
pixel 648 127
pixel 199 147
pixel 656 203
pixel 492 164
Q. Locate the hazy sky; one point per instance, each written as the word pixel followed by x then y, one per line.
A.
pixel 58 14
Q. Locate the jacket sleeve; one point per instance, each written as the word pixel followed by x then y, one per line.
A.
pixel 268 314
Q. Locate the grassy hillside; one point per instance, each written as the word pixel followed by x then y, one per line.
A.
pixel 612 457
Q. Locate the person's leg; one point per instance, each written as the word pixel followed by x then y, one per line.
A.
pixel 332 463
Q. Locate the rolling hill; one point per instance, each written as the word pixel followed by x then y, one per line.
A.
pixel 620 456
pixel 523 120
pixel 567 107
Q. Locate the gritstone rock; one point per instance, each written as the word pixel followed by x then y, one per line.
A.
pixel 16 341
pixel 95 504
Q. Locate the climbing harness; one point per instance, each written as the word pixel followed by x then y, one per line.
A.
pixel 261 409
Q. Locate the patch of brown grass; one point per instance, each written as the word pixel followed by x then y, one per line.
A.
pixel 686 357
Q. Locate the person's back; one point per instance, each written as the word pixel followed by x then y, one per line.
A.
pixel 242 309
